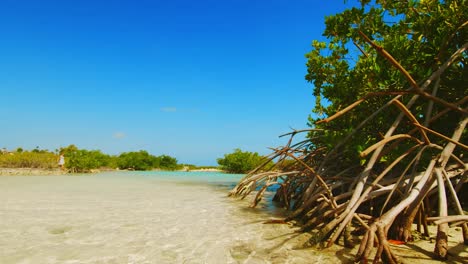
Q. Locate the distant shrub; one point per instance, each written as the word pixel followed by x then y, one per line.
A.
pixel 81 160
pixel 240 161
pixel 167 163
pixel 140 160
pixel 29 159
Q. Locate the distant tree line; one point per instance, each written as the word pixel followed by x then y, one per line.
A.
pixel 82 160
pixel 28 159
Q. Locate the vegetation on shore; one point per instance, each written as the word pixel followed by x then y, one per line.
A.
pixel 82 160
pixel 389 146
pixel 38 159
pixel 242 161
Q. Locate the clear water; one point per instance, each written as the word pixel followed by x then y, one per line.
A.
pixel 138 217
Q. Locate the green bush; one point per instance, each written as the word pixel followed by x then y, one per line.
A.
pixel 29 159
pixel 82 160
pixel 240 161
pixel 167 163
pixel 140 160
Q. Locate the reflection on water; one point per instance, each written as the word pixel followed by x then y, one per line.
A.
pixel 137 217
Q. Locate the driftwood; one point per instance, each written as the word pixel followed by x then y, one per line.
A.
pixel 381 201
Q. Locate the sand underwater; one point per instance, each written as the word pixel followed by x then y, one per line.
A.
pixel 146 217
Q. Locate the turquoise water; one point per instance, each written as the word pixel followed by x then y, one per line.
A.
pixel 138 217
pixel 210 178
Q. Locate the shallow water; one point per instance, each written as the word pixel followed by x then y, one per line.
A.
pixel 137 217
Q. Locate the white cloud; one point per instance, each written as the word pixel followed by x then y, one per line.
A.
pixel 119 135
pixel 169 109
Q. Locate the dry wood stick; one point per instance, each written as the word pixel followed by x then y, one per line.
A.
pixel 442 136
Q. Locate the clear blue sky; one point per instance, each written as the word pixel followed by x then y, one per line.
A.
pixel 191 79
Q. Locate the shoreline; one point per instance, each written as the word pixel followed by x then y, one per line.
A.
pixel 31 172
pixel 206 170
pixel 58 171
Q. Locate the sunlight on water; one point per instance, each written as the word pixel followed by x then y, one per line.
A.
pixel 137 217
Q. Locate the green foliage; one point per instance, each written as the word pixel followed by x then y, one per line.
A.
pixel 140 160
pixel 166 163
pixel 38 150
pixel 240 161
pixel 420 35
pixel 29 159
pixel 81 160
pixel 66 150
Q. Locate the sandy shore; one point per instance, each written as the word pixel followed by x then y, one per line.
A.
pixel 57 171
pixel 419 251
pixel 30 172
pixel 207 170
pixel 416 252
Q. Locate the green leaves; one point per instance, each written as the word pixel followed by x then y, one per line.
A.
pixel 82 160
pixel 142 160
pixel 420 35
pixel 240 161
pixel 28 159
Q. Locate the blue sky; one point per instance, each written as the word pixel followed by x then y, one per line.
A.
pixel 191 79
